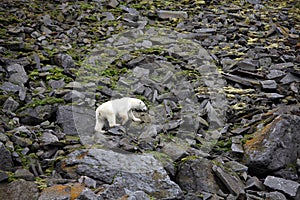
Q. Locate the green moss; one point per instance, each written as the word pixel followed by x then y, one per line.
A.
pixel 41 183
pixel 11 176
pixel 188 158
pixel 57 74
pixel 54 74
pixel 223 145
pixel 38 102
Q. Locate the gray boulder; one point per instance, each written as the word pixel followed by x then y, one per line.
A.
pixel 17 74
pixel 196 175
pixel 19 189
pixel 38 114
pixel 275 146
pixel 289 187
pixel 76 120
pixel 121 173
pixel 6 162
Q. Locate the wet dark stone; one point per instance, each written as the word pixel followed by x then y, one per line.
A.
pixel 6 162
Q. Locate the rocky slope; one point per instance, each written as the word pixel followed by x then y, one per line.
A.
pixel 220 78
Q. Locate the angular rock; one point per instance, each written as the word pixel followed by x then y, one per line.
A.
pixel 24 174
pixel 269 84
pixel 289 187
pixel 167 14
pixel 196 175
pixel 88 194
pixel 55 84
pixel 73 96
pixel 6 162
pixel 289 78
pixel 247 65
pixel 64 60
pixel 236 145
pixel 137 173
pixel 3 176
pixel 10 87
pixel 62 192
pixel 17 74
pixel 49 139
pixel 10 105
pixel 113 3
pixel 274 73
pixel 275 146
pixel 38 114
pixel 87 181
pixel 275 196
pixel 76 120
pixel 253 183
pixel 176 150
pixel 19 189
pixel 230 180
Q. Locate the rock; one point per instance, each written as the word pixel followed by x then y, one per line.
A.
pixel 3 176
pixel 87 181
pixel 6 162
pixel 10 105
pixel 3 138
pixel 275 146
pixel 275 196
pixel 289 78
pixel 247 65
pixel 88 194
pixel 17 74
pixel 49 139
pixel 113 3
pixel 196 175
pixel 64 60
pixel 55 84
pixel 76 120
pixel 167 14
pixel 253 183
pixel 137 195
pixel 274 73
pixel 38 114
pixel 62 192
pixel 269 84
pixel 73 96
pixel 230 180
pixel 236 166
pixel 24 174
pixel 176 150
pixel 137 173
pixel 19 189
pixel 21 141
pixel 237 146
pixel 289 187
pixel 10 87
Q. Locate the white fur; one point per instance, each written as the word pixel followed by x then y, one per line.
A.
pixel 119 107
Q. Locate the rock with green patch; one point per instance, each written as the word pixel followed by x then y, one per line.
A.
pixel 136 173
pixel 6 162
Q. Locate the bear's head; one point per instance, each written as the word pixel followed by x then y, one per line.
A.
pixel 141 106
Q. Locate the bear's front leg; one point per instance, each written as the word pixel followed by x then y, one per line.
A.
pixel 133 117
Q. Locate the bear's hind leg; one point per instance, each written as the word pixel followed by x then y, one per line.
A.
pixel 99 125
pixel 112 121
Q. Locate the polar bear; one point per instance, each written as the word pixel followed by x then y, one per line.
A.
pixel 119 107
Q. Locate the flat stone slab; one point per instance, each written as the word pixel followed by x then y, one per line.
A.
pixel 123 172
pixel 289 187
